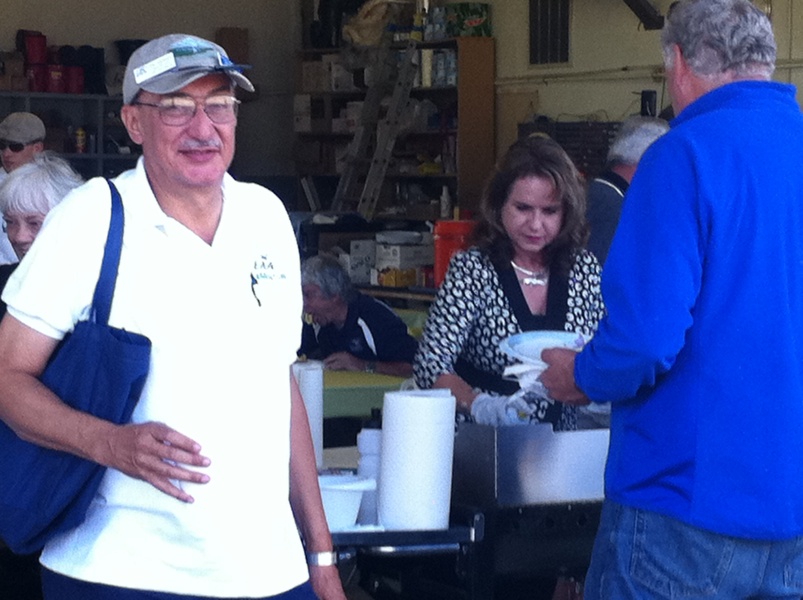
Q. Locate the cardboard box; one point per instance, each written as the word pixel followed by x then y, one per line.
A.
pixel 340 125
pixel 315 75
pixel 12 64
pixel 468 19
pixel 302 104
pixel 365 249
pixel 302 113
pixel 342 80
pixel 302 123
pixel 394 277
pixel 357 267
pixel 359 261
pixel 396 256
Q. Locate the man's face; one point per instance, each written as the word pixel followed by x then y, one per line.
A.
pixel 193 155
pixel 320 307
pixel 12 160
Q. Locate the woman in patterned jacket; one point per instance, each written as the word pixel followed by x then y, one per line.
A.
pixel 527 270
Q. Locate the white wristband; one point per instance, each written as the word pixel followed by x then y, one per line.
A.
pixel 322 559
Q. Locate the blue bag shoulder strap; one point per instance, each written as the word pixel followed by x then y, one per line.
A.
pixel 104 290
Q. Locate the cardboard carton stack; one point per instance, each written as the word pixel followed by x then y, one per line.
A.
pixel 377 262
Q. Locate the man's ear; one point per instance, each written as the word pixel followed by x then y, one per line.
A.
pixel 39 146
pixel 130 116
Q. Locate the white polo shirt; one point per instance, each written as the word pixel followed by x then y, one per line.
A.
pixel 224 323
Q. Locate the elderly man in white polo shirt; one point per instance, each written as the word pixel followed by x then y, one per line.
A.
pixel 22 136
pixel 209 487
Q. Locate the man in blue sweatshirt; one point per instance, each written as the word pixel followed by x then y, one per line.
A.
pixel 701 353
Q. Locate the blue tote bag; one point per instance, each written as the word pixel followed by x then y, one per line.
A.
pixel 98 369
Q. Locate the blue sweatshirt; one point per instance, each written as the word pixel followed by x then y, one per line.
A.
pixel 701 353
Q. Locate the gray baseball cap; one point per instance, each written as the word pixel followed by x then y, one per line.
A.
pixel 23 128
pixel 169 63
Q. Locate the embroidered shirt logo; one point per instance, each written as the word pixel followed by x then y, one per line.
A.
pixel 263 272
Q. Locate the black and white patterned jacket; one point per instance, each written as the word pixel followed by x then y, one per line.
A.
pixel 478 306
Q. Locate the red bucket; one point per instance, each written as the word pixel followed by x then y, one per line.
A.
pixel 35 48
pixel 449 236
pixel 75 80
pixel 56 81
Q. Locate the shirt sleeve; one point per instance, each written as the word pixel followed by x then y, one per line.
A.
pixel 451 319
pixel 391 338
pixel 651 278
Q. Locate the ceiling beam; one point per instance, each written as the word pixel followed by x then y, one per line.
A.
pixel 647 13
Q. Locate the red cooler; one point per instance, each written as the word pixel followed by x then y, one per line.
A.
pixel 449 236
pixel 74 77
pixel 35 47
pixel 56 81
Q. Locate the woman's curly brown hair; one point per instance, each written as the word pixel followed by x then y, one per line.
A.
pixel 537 156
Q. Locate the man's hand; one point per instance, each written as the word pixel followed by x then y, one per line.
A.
pixel 343 361
pixel 154 452
pixel 558 378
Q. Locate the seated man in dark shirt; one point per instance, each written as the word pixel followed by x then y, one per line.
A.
pixel 348 330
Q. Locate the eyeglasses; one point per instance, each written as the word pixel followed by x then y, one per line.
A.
pixel 179 110
pixel 13 146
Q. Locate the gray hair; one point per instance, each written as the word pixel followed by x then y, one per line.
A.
pixel 37 186
pixel 721 36
pixel 633 138
pixel 329 275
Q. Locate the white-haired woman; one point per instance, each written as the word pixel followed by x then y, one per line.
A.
pixel 26 196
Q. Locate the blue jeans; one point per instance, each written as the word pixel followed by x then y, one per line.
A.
pixel 640 555
pixel 59 587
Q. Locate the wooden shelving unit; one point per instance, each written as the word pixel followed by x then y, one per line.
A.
pixel 462 140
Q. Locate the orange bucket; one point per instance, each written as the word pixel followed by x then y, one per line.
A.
pixel 449 237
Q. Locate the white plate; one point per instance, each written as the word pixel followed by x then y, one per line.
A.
pixel 527 346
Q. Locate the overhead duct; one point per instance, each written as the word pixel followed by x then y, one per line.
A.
pixel 647 13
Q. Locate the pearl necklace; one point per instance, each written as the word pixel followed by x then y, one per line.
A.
pixel 531 277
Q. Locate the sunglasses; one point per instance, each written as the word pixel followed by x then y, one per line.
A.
pixel 13 146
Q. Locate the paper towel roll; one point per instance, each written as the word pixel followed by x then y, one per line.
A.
pixel 309 375
pixel 369 443
pixel 415 466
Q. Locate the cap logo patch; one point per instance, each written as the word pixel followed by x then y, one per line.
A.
pixel 156 67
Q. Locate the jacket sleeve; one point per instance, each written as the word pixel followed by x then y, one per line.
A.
pixel 451 318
